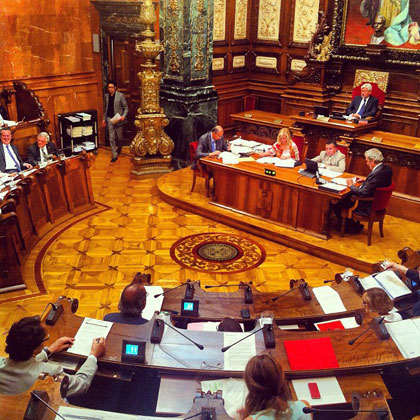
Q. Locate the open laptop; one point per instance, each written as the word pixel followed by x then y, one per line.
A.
pixel 311 169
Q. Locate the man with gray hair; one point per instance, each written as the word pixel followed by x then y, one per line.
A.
pixel 380 176
pixel 41 151
pixel 365 105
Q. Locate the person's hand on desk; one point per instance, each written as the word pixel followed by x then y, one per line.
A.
pixel 98 347
pixel 354 180
pixel 215 153
pixel 357 116
pixel 397 267
pixel 61 344
pixel 27 165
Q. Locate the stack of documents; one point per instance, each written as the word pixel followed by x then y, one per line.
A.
pixel 75 131
pixel 87 130
pixel 246 143
pixel 84 116
pixel 406 335
pixel 229 158
pixel 73 119
pixel 328 173
pixel 88 145
pixel 281 163
pixel 388 281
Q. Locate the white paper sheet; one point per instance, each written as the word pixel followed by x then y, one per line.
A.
pixel 334 187
pixel 229 158
pixel 237 356
pixel 329 389
pixel 406 335
pixel 347 322
pixel 234 392
pixel 388 281
pixel 242 142
pixel 329 299
pixel 152 304
pixel 116 118
pixel 88 331
pixel 341 181
pixel 78 413
pixel 285 163
pixel 329 173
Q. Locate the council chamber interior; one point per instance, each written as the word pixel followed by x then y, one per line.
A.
pixel 253 241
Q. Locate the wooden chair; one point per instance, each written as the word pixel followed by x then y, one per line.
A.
pixel 379 82
pixel 302 146
pixel 377 214
pixel 344 148
pixel 199 171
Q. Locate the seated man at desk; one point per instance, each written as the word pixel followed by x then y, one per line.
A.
pixel 10 161
pixel 331 158
pixel 380 176
pixel 211 144
pixel 365 105
pixel 131 305
pixel 28 358
pixel 40 151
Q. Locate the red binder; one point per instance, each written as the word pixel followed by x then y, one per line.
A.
pixel 316 353
pixel 333 325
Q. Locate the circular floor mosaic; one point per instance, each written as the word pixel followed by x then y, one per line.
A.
pixel 217 253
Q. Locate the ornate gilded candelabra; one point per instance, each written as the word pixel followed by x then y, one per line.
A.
pixel 151 146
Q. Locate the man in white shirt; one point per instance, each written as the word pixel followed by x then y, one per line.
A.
pixel 10 161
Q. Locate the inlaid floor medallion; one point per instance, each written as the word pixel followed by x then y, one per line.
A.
pixel 217 253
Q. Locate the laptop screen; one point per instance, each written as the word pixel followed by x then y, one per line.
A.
pixel 311 166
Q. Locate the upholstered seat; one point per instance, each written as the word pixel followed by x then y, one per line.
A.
pixel 199 170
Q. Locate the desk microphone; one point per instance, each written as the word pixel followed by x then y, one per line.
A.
pixel 33 411
pixel 319 180
pixel 377 326
pixel 247 291
pixel 54 314
pixel 157 333
pixel 337 279
pixel 303 289
pixel 269 339
pixel 205 415
pixel 173 288
pixel 382 414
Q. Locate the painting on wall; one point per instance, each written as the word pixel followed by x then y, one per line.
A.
pixel 396 21
pixel 394 24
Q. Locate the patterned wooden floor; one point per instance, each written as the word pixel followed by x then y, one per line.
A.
pixel 132 229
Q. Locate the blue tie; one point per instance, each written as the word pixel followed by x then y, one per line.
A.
pixel 13 158
pixel 363 107
pixel 213 145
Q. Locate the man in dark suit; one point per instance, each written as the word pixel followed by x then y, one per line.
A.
pixel 10 161
pixel 365 105
pixel 115 103
pixel 380 176
pixel 210 144
pixel 39 152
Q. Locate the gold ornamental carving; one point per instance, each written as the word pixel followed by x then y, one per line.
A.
pixel 305 20
pixel 172 14
pixel 219 18
pixel 269 20
pixel 378 77
pixel 200 27
pixel 241 13
pixel 151 146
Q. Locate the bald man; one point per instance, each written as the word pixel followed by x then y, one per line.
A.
pixel 131 305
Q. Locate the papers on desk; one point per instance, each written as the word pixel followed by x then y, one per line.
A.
pixel 328 173
pixel 78 413
pixel 9 123
pixel 341 181
pixel 245 143
pixel 388 281
pixel 285 163
pixel 406 335
pixel 237 356
pixel 90 329
pixel 234 392
pixel 243 150
pixel 84 116
pixel 330 186
pixel 329 389
pixel 337 324
pixel 229 158
pixel 329 299
pixel 152 304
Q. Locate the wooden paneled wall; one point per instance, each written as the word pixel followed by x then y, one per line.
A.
pixel 275 44
pixel 48 45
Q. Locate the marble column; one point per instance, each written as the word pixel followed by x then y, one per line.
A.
pixel 186 93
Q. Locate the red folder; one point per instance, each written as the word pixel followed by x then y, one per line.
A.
pixel 316 353
pixel 333 325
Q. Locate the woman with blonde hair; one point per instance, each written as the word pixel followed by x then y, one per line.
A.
pixel 268 394
pixel 284 147
pixel 376 300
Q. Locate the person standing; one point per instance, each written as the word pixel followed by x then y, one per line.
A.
pixel 115 103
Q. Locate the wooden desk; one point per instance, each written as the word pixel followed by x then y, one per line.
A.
pixel 288 198
pixel 290 309
pixel 42 199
